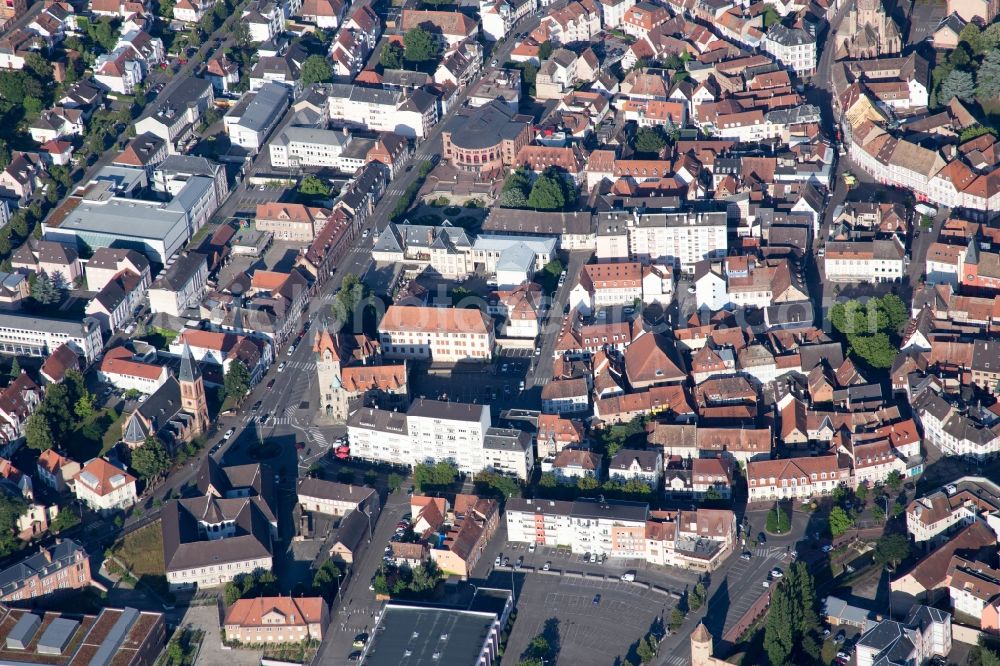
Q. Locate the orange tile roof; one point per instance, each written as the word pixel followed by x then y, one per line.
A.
pixel 441 320
pixel 297 611
pixel 103 471
pixel 118 361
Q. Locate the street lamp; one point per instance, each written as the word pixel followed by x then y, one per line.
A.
pixel 369 517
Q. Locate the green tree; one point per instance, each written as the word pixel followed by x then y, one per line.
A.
pixel 553 269
pixel 44 290
pixel 419 45
pixel 862 492
pixel 988 77
pixel 15 369
pixel 677 619
pixel 38 434
pixel 550 191
pixel 987 657
pixel 777 521
pixel 64 520
pixel 39 67
pixel 84 407
pixel 649 141
pixel 959 83
pixel 875 350
pixel 237 380
pixel 313 187
pixel 395 482
pixel 696 597
pixel 894 481
pixel 231 593
pixel 150 460
pixel 586 483
pixel 878 514
pixel 892 549
pixel 513 198
pixel 544 50
pixel 315 69
pixel 896 509
pixel 166 9
pixel 770 16
pixel 839 521
pixel 896 312
pixel 391 56
pixel 971 35
pixel 645 651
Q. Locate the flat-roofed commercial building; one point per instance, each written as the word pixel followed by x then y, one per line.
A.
pixel 24 335
pixel 97 218
pixel 427 635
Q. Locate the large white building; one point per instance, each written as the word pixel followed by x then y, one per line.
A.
pixel 699 540
pixel 24 335
pixel 251 121
pixel 867 261
pixel 105 488
pixel 382 109
pixel 678 239
pixel 792 47
pixel 795 478
pixel 430 431
pixel 295 147
pixel 953 429
pixel 445 335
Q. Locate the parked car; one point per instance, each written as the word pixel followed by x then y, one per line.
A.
pixel 281 368
pixel 546 566
pixel 256 406
pixel 520 561
pixel 270 384
pixel 777 573
pixel 840 637
pixel 291 350
pixel 597 599
pixel 229 433
pixel 827 548
pixel 761 538
pixel 746 556
pixel 531 547
pixel 628 577
pixel 498 561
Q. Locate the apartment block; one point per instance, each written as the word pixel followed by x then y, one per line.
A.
pixel 440 335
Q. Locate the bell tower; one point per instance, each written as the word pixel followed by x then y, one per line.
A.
pixel 332 396
pixel 701 646
pixel 193 399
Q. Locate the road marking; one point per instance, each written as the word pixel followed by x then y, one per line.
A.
pixel 318 437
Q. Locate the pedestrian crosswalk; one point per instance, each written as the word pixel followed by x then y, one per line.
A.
pixel 301 365
pixel 290 411
pixel 676 660
pixel 542 381
pixel 318 437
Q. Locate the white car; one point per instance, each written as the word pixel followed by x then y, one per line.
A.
pixel 777 573
pixel 229 433
pixel 365 233
pixel 281 368
pixel 291 350
pixel 531 547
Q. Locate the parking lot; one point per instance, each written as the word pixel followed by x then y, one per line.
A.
pixel 587 633
pixel 745 580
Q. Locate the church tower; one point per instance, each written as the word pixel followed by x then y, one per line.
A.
pixel 193 391
pixel 332 396
pixel 701 646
